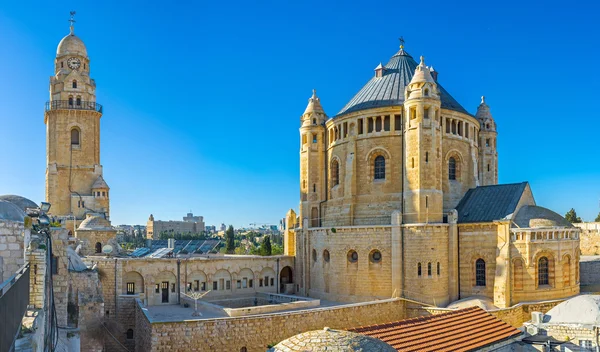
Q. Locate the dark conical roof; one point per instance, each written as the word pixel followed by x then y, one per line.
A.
pixel 388 90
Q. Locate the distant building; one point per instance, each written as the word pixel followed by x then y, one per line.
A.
pixel 211 229
pixel 190 224
pixel 223 227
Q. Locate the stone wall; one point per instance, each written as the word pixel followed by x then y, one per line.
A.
pixel 37 277
pixel 86 305
pixel 590 238
pixel 337 277
pixel 256 332
pixel 590 273
pixel 515 315
pixel 60 279
pixel 12 242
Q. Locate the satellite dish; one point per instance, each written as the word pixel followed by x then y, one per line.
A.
pixel 107 249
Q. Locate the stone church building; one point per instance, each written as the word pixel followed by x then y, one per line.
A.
pixel 399 197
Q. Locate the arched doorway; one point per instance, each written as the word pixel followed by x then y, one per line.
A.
pixel 286 280
pixel 98 247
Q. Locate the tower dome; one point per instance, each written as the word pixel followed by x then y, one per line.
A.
pixel 71 44
pixel 332 340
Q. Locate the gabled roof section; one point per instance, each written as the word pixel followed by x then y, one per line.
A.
pixel 388 90
pixel 467 329
pixel 489 203
pixel 100 183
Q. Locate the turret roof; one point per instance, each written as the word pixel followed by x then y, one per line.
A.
pixel 388 90
pixel 100 183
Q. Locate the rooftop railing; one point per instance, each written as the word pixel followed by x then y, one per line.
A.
pixel 14 298
pixel 73 105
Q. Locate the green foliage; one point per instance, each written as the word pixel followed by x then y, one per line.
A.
pixel 597 218
pixel 277 249
pixel 333 230
pixel 572 217
pixel 229 240
pixel 265 246
pixel 55 224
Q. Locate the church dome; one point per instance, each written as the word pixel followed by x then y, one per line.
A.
pixel 71 44
pixel 11 212
pixel 332 340
pixel 583 309
pixel 388 88
pixel 95 223
pixel 531 216
pixel 19 201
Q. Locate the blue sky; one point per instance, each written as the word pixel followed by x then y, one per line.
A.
pixel 202 101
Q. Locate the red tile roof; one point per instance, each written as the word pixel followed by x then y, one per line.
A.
pixel 460 330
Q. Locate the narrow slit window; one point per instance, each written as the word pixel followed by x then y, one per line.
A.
pixel 397 122
pixel 360 126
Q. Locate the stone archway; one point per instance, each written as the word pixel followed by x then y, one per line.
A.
pixel 286 280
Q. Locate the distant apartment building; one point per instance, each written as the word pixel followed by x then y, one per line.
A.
pixel 223 227
pixel 190 224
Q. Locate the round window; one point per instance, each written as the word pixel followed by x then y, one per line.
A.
pixel 314 254
pixel 326 256
pixel 375 256
pixel 352 256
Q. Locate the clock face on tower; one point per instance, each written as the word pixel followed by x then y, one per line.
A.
pixel 73 63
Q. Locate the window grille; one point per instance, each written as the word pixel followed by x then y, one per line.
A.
pixel 543 271
pixel 380 168
pixel 480 272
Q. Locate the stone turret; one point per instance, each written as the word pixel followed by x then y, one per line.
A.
pixel 423 143
pixel 312 160
pixel 488 152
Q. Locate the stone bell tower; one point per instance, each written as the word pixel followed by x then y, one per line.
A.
pixel 488 152
pixel 423 148
pixel 74 182
pixel 312 161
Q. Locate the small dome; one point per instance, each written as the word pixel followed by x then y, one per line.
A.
pixel 10 211
pixel 533 216
pixel 332 340
pixel 422 74
pixel 96 223
pixel 584 309
pixel 71 44
pixel 19 201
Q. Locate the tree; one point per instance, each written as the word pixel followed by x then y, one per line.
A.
pixel 229 240
pixel 597 218
pixel 572 217
pixel 265 246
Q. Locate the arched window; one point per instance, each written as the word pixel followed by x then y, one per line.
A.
pixel 74 136
pixel 78 101
pixel 480 272
pixel 335 173
pixel 243 349
pixel 543 271
pixel 130 334
pixel 98 247
pixel 428 269
pixel 380 168
pixel 419 269
pixel 70 101
pixel 426 92
pixel 452 169
pixel 74 84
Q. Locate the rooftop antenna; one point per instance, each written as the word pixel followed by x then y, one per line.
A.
pixel 72 21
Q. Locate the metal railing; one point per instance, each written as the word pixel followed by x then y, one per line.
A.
pixel 14 298
pixel 73 105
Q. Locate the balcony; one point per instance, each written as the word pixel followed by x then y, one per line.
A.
pixel 73 105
